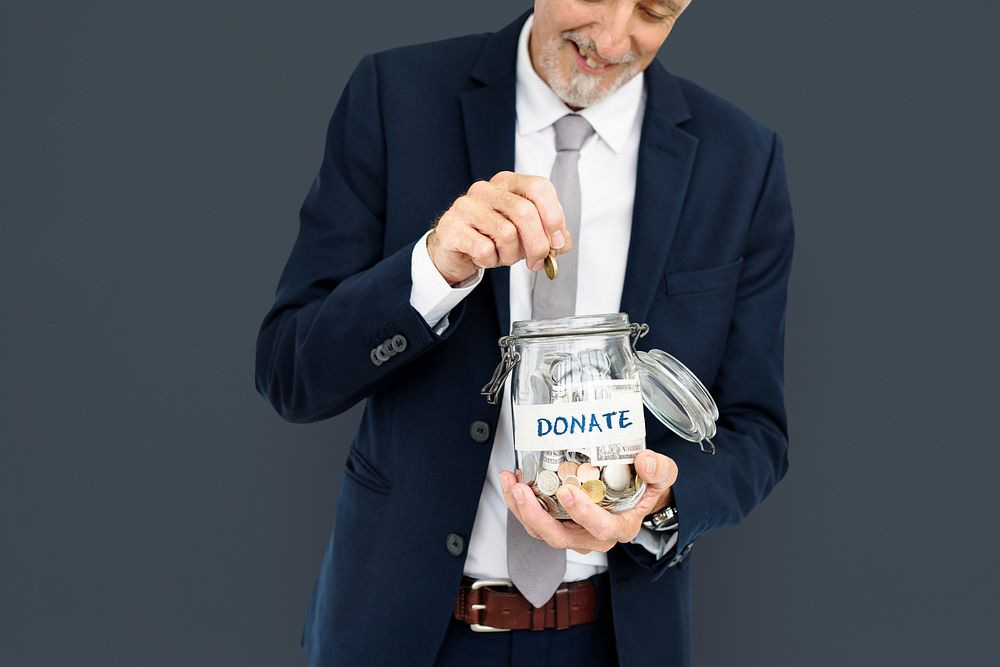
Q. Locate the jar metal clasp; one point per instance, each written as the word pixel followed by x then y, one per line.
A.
pixel 508 360
pixel 637 331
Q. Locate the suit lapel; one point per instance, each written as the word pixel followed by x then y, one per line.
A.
pixel 488 114
pixel 666 157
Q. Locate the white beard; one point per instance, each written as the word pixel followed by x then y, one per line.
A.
pixel 579 89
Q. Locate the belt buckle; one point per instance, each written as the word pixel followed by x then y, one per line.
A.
pixel 483 583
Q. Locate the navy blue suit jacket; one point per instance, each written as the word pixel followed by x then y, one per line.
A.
pixel 707 269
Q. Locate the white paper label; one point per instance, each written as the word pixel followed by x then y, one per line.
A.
pixel 597 423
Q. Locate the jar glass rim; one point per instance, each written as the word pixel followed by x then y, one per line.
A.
pixel 600 323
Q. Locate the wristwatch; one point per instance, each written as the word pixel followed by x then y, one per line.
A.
pixel 665 519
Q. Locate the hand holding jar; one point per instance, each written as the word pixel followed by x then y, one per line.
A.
pixel 579 389
pixel 592 528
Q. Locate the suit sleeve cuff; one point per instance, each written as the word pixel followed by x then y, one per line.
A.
pixel 431 295
pixel 658 543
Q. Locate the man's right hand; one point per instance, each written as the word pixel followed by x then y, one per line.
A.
pixel 498 223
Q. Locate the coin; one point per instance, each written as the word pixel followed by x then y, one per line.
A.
pixel 551 267
pixel 614 495
pixel 595 489
pixel 567 468
pixel 572 480
pixel 616 476
pixel 587 472
pixel 550 504
pixel 548 482
pixel 529 466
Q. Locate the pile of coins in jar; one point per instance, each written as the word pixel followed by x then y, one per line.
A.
pixel 614 486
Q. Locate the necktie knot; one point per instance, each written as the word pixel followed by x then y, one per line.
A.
pixel 571 131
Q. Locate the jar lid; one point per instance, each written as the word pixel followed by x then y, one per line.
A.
pixel 677 397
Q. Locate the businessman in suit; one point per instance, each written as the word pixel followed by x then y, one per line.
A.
pixel 682 220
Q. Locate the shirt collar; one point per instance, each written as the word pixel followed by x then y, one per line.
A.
pixel 538 106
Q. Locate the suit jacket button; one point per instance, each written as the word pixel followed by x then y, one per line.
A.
pixel 480 431
pixel 398 343
pixel 374 357
pixel 455 544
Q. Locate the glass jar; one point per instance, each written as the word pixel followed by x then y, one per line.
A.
pixel 577 394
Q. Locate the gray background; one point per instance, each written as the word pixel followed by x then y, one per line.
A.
pixel 153 157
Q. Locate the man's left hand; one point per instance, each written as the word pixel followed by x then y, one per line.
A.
pixel 593 528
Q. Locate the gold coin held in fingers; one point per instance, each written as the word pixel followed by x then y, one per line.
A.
pixel 594 489
pixel 551 267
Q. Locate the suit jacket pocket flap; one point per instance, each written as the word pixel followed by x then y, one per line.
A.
pixel 704 280
pixel 361 471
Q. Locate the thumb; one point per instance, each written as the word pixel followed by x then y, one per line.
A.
pixel 656 469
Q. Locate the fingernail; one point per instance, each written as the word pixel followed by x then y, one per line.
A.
pixel 566 497
pixel 650 465
pixel 519 496
pixel 504 483
pixel 558 240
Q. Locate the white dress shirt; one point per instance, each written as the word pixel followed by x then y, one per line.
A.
pixel 608 163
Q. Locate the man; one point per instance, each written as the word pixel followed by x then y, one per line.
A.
pixel 683 222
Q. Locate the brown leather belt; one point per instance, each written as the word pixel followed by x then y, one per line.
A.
pixel 494 605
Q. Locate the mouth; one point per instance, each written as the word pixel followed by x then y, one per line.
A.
pixel 588 62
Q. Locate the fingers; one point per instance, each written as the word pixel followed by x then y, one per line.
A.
pixel 456 247
pixel 524 216
pixel 479 248
pixel 656 469
pixel 660 474
pixel 519 215
pixel 540 525
pixel 502 232
pixel 604 526
pixel 522 213
pixel 485 236
pixel 592 528
pixel 542 194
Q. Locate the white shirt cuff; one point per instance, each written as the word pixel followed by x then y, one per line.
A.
pixel 430 294
pixel 657 542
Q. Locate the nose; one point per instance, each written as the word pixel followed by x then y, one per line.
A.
pixel 612 37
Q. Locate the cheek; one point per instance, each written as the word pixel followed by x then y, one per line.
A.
pixel 569 16
pixel 649 44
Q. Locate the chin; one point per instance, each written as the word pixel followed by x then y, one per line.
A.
pixel 579 89
pixel 574 87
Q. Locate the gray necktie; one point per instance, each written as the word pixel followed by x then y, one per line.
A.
pixel 536 568
pixel 557 298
